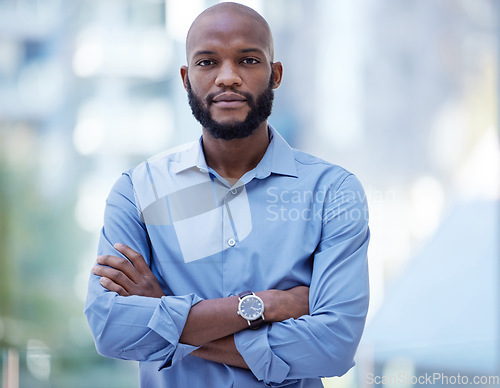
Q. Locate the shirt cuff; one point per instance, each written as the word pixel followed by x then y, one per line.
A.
pixel 168 321
pixel 253 345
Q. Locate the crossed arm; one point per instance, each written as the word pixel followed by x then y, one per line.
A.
pixel 134 277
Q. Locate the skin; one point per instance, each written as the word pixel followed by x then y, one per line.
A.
pixel 229 49
pixel 134 277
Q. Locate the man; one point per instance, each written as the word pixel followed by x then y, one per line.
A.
pixel 246 258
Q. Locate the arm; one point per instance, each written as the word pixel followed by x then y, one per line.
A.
pixel 295 304
pixel 222 351
pixel 146 327
pixel 135 327
pixel 324 342
pixel 134 277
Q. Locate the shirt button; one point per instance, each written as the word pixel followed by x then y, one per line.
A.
pixel 231 242
pixel 234 191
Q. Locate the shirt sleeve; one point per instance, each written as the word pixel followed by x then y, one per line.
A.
pixel 133 327
pixel 324 343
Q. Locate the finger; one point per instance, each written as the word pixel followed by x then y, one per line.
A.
pixel 135 257
pixel 112 286
pixel 115 275
pixel 120 264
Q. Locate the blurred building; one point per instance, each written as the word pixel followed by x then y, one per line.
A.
pixel 404 93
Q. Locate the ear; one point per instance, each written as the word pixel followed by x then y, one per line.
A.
pixel 277 69
pixel 184 76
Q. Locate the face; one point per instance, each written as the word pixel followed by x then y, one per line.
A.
pixel 260 110
pixel 230 77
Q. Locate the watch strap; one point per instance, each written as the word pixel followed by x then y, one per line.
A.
pixel 245 293
pixel 257 323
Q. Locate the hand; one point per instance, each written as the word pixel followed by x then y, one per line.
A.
pixel 125 277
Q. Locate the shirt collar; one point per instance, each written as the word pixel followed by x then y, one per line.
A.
pixel 191 157
pixel 278 159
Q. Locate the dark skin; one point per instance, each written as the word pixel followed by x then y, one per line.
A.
pixel 229 49
pixel 134 277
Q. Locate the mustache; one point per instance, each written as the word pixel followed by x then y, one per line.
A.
pixel 247 96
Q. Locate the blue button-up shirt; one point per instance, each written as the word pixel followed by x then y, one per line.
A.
pixel 292 220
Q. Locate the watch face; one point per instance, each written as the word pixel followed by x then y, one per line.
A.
pixel 251 307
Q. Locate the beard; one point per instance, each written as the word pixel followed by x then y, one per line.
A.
pixel 260 110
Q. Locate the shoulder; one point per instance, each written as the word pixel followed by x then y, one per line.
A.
pixel 174 154
pixel 331 174
pixel 171 158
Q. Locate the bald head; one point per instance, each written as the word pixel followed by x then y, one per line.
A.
pixel 223 18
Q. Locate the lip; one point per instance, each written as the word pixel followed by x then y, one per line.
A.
pixel 228 98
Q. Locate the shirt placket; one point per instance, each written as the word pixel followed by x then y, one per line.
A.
pixel 229 242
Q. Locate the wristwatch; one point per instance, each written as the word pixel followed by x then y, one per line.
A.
pixel 251 308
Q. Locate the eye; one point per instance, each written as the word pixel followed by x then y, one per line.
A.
pixel 205 62
pixel 250 61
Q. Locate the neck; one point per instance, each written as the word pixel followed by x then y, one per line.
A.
pixel 233 158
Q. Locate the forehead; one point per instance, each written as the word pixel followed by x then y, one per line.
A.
pixel 226 30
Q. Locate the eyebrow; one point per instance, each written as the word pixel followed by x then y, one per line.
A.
pixel 204 52
pixel 242 51
pixel 251 50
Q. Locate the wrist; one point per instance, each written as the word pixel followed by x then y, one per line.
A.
pixel 271 299
pixel 251 308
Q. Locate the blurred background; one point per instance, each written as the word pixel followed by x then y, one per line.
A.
pixel 404 93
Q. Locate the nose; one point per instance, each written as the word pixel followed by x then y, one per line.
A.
pixel 227 76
